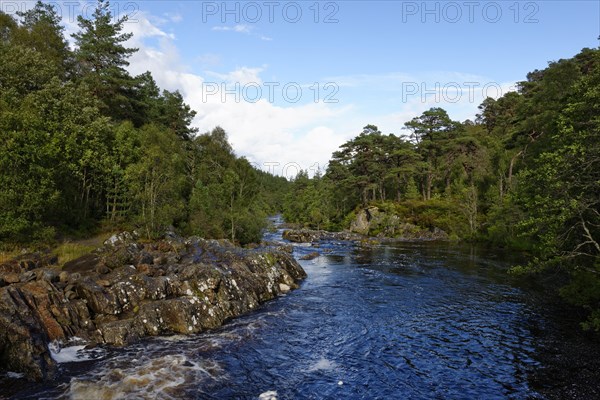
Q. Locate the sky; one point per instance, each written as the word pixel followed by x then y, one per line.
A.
pixel 292 81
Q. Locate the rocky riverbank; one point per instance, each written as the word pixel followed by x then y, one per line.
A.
pixel 373 221
pixel 371 225
pixel 313 236
pixel 127 290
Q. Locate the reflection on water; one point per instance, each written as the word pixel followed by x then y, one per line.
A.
pixel 392 321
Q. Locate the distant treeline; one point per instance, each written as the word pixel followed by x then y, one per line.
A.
pixel 524 175
pixel 85 145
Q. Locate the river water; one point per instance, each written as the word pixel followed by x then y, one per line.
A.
pixel 393 321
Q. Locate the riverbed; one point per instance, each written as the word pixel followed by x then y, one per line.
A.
pixel 397 320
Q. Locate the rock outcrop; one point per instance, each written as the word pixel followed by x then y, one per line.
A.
pixel 312 236
pixel 370 223
pixel 128 290
pixel 375 222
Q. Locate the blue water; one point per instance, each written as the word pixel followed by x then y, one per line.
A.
pixel 394 321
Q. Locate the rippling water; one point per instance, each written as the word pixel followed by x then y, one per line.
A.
pixel 401 320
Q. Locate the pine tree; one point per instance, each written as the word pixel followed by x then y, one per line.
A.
pixel 102 58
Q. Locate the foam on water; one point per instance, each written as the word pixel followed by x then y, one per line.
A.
pixel 270 395
pixel 360 326
pixel 322 364
pixel 163 377
pixel 74 351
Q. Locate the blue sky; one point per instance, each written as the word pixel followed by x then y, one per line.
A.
pixel 380 62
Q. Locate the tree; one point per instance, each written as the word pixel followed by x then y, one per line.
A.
pixel 175 115
pixel 430 132
pixel 157 180
pixel 52 160
pixel 102 59
pixel 41 30
pixel 558 188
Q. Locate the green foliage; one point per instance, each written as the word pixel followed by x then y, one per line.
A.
pixel 525 175
pixel 41 30
pixel 228 198
pixel 156 181
pixel 83 144
pixel 558 188
pixel 101 58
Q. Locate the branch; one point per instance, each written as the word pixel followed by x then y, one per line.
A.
pixel 588 235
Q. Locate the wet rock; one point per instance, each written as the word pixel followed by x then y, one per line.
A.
pixel 27 276
pixel 362 222
pixel 23 344
pixel 47 274
pixel 99 301
pixel 63 276
pixel 144 268
pixel 376 222
pixel 145 258
pixel 102 269
pixel 120 332
pixel 119 239
pixel 284 288
pixel 310 256
pixel 160 260
pixel 11 278
pixel 197 285
pixel 87 262
pixel 301 236
pixel 313 236
pixel 7 268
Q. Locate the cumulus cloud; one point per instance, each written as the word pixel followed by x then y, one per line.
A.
pixel 143 28
pixel 283 137
pixel 280 139
pixel 243 76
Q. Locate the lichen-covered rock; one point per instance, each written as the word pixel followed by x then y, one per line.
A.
pixel 198 285
pixel 375 222
pixel 313 236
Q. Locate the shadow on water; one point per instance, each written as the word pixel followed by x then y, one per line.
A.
pixel 400 320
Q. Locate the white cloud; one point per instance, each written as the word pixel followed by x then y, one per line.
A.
pixel 287 136
pixel 174 17
pixel 281 139
pixel 144 28
pixel 240 28
pixel 276 138
pixel 243 76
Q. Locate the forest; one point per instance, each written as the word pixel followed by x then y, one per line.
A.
pixel 525 176
pixel 87 147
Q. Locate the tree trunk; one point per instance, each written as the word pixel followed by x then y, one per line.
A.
pixel 429 184
pixel 232 220
pixel 510 168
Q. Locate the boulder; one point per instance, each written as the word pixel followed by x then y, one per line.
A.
pixel 310 256
pixel 375 222
pixel 314 236
pixel 197 285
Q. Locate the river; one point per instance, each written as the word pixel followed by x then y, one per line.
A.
pixel 393 321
